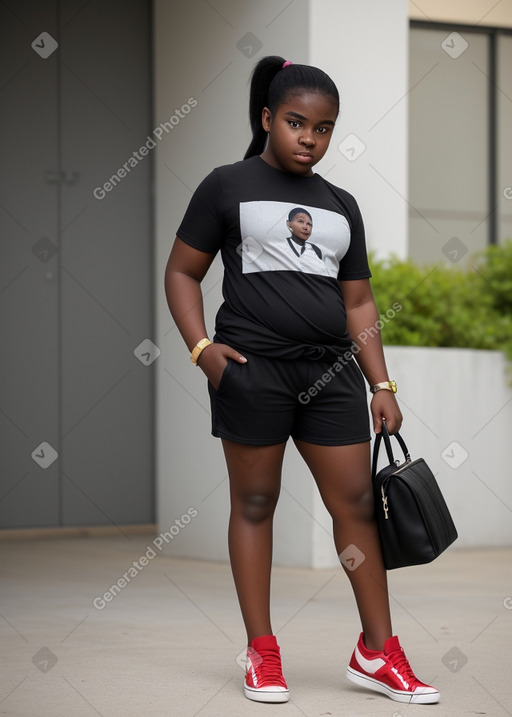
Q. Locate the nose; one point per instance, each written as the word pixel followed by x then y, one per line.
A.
pixel 307 139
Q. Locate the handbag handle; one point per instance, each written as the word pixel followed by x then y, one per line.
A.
pixel 387 442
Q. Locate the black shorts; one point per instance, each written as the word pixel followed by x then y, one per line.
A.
pixel 265 401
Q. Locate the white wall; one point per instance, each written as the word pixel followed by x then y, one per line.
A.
pixel 364 47
pixel 196 56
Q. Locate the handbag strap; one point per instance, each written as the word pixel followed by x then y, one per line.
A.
pixel 387 442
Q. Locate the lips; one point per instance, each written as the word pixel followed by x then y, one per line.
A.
pixel 304 157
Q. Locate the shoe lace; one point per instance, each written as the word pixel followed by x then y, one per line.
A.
pixel 401 665
pixel 268 667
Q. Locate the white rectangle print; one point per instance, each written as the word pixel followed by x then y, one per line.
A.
pixel 281 236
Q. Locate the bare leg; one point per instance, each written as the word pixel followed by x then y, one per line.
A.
pixel 342 474
pixel 255 482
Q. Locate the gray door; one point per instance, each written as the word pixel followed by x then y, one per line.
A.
pixel 76 375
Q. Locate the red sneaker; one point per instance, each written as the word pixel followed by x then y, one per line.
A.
pixel 264 681
pixel 389 672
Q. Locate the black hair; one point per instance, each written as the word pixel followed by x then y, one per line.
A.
pixel 271 84
pixel 298 210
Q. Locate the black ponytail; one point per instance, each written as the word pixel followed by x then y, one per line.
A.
pixel 270 86
pixel 261 78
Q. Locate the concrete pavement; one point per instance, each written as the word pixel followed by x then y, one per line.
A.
pixel 100 626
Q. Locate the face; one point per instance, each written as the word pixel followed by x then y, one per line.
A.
pixel 299 132
pixel 301 226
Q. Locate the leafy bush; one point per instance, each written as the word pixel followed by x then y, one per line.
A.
pixel 448 306
pixel 495 266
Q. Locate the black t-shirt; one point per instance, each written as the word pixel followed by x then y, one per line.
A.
pixel 281 293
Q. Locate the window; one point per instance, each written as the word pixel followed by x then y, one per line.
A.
pixel 460 147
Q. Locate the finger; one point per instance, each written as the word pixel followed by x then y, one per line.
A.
pixel 394 427
pixel 237 356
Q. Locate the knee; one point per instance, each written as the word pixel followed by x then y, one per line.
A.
pixel 366 505
pixel 358 505
pixel 257 507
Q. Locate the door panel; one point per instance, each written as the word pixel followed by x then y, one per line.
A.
pixel 29 294
pixel 106 257
pixel 76 318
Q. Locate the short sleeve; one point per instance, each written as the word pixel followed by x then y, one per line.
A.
pixel 202 226
pixel 354 264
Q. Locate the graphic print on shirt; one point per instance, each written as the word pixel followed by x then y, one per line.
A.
pixel 281 236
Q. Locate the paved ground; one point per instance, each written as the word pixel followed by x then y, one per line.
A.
pixel 167 643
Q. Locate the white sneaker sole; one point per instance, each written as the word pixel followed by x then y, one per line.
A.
pixel 413 698
pixel 269 694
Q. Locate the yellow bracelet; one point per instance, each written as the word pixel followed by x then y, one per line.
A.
pixel 196 351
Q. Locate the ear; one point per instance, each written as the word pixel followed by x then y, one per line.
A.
pixel 289 225
pixel 266 119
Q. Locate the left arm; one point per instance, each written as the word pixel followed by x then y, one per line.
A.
pixel 362 318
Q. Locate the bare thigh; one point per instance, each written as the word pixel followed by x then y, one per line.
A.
pixel 254 476
pixel 343 477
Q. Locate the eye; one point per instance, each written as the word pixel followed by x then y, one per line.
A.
pixel 294 123
pixel 323 130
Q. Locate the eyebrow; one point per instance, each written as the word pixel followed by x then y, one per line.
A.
pixel 301 117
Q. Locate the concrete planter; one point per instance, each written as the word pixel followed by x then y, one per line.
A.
pixel 457 408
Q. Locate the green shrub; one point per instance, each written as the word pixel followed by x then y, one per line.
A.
pixel 445 305
pixel 495 266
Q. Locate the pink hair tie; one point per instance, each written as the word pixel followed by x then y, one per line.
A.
pixel 285 64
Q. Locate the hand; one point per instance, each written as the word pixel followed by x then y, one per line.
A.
pixel 384 405
pixel 213 360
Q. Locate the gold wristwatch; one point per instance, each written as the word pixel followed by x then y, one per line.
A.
pixel 384 385
pixel 196 351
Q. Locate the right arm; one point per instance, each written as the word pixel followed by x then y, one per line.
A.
pixel 185 270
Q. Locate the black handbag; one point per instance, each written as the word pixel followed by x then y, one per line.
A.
pixel 414 522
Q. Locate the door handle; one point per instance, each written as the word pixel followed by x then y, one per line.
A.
pixel 70 177
pixel 53 176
